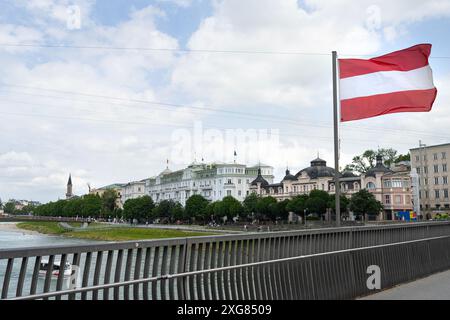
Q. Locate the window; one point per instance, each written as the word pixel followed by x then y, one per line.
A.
pixel 420 194
pixel 396 183
pixel 443 155
pixel 444 167
pixel 436 168
pixel 239 181
pixel 228 192
pixel 239 192
pixel 446 193
pixel 418 170
pixel 427 194
pixel 435 157
pixel 370 185
pixel 417 158
pixel 387 199
pixel 229 181
pixel 387 184
pixel 425 181
pixel 425 169
pixel 397 199
pixel 424 157
pixel 444 180
pixel 436 180
pixel 436 194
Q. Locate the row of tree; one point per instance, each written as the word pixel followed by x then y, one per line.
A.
pixel 200 210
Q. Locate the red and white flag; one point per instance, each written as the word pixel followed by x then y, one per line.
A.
pixel 401 81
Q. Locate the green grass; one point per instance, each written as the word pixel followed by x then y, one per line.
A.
pixel 42 227
pixel 109 234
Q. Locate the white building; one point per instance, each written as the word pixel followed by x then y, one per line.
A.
pixel 213 181
pixel 133 190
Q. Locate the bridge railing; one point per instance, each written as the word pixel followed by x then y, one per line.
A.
pixel 309 264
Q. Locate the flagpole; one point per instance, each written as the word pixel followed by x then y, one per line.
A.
pixel 337 186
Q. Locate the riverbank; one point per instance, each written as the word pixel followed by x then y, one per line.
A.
pixel 12 227
pixel 108 233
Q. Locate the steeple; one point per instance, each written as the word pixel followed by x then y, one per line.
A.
pixel 69 193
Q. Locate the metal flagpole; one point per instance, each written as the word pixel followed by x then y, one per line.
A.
pixel 337 186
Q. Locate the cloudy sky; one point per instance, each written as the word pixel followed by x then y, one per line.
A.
pixel 108 90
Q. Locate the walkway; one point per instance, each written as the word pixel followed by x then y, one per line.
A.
pixel 434 287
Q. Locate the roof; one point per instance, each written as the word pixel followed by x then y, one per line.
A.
pixel 274 185
pixel 436 145
pixel 317 169
pixel 70 180
pixel 379 167
pixel 165 171
pixel 259 179
pixel 112 186
pixel 259 165
pixel 347 174
pixel 289 176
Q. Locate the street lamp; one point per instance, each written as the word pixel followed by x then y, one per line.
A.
pixel 304 215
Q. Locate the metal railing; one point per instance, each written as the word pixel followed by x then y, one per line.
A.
pixel 311 264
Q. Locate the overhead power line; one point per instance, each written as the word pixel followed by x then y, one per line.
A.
pixel 181 50
pixel 196 110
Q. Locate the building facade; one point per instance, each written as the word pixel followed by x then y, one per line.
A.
pixel 431 164
pixel 392 187
pixel 213 181
pixel 118 187
pixel 133 190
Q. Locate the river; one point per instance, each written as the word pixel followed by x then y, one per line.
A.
pixel 12 237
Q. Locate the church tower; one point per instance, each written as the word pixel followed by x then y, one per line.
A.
pixel 69 188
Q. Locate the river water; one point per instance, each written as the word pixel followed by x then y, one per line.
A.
pixel 11 237
pixel 15 238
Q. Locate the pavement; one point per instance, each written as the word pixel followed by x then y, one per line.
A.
pixel 434 287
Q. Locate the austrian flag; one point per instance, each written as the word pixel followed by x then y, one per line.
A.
pixel 401 81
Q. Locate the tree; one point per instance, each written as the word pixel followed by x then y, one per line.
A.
pixel 278 210
pixel 109 198
pixel 177 212
pixel 263 207
pixel 250 203
pixel 209 211
pixel 366 161
pixel 196 207
pixel 344 203
pixel 10 207
pixel 91 206
pixel 317 202
pixel 403 157
pixel 297 204
pixel 364 202
pixel 163 209
pixel 138 208
pixel 73 207
pixel 389 155
pixel 363 162
pixel 229 207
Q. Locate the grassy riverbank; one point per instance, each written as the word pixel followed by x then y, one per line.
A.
pixel 108 233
